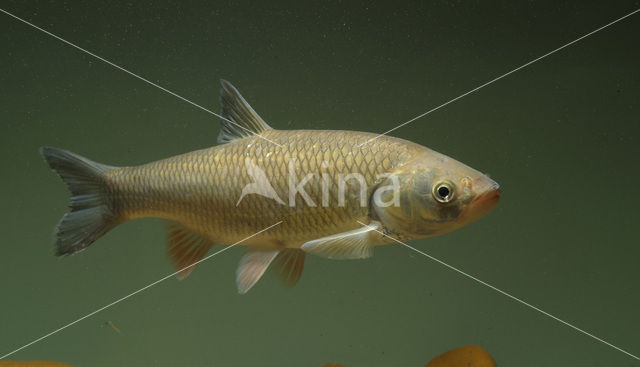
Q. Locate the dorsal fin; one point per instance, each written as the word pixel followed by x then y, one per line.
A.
pixel 244 120
pixel 184 248
pixel 288 265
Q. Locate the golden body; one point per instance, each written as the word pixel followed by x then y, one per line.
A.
pixel 200 189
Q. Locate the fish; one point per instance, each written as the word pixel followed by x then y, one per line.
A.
pixel 332 193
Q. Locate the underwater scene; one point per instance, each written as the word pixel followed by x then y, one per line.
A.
pixel 440 183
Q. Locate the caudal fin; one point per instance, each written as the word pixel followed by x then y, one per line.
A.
pixel 90 216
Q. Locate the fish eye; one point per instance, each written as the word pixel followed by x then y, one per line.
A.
pixel 443 191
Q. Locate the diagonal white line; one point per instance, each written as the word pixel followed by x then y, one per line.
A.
pixel 135 75
pixel 502 292
pixel 133 293
pixel 501 76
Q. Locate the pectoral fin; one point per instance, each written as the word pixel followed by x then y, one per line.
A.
pixel 354 244
pixel 251 267
pixel 185 248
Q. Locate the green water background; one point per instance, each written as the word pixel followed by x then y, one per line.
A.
pixel 560 136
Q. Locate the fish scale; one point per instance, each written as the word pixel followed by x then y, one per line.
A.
pixel 200 189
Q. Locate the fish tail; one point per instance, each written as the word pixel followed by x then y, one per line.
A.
pixel 91 214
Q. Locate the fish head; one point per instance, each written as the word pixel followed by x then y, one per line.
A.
pixel 433 194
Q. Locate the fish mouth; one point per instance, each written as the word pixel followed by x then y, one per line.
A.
pixel 484 202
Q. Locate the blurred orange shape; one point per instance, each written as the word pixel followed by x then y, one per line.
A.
pixel 466 356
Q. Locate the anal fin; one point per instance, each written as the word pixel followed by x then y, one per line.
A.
pixel 289 265
pixel 185 248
